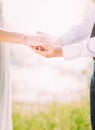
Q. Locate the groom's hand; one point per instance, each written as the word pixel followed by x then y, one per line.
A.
pixel 45 44
pixel 48 51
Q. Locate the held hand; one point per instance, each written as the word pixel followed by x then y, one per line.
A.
pixel 38 40
pixel 32 40
pixel 41 39
pixel 48 51
pixel 43 44
pixel 49 39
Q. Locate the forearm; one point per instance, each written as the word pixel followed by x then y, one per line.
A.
pixel 11 37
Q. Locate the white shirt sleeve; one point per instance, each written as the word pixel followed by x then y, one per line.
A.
pixel 80 50
pixel 71 39
pixel 81 31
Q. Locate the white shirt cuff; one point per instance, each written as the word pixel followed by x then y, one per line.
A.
pixel 71 51
pixel 80 50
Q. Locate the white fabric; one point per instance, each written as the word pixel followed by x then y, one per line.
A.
pixel 72 51
pixel 76 35
pixel 5 90
pixel 90 47
pixel 80 50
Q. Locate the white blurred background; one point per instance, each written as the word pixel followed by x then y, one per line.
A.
pixel 35 78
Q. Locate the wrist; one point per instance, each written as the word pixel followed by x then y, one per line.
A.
pixel 59 52
pixel 23 39
pixel 60 42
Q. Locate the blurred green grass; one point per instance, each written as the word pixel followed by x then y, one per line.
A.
pixel 53 116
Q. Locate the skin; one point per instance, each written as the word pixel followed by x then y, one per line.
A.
pixel 48 51
pixel 42 44
pixel 18 38
pixel 49 47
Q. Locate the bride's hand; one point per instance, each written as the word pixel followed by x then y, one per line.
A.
pixel 33 40
pixel 42 39
pixel 49 39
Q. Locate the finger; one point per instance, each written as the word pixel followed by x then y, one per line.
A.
pixel 34 47
pixel 40 48
pixel 34 38
pixel 40 33
pixel 42 39
pixel 34 42
pixel 39 43
pixel 38 51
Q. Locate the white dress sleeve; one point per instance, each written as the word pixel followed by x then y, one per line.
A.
pixel 5 89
